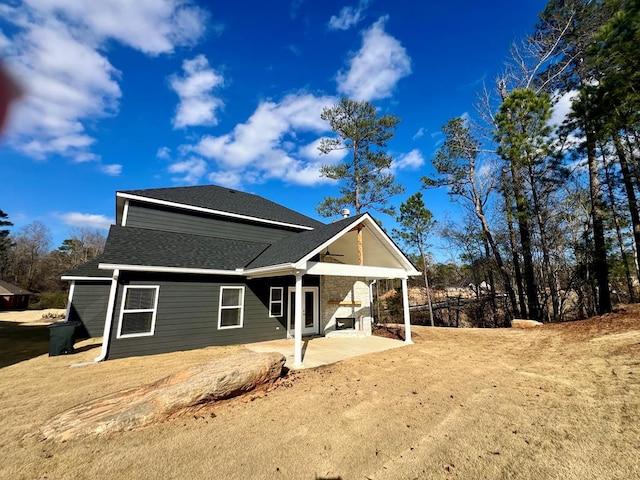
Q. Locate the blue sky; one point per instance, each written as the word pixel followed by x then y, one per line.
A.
pixel 127 95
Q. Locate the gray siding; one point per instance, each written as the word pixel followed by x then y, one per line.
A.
pixel 173 220
pixel 89 305
pixel 187 315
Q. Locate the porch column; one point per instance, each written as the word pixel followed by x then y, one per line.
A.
pixel 405 311
pixel 297 332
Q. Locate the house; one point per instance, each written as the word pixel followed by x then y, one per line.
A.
pixel 191 267
pixel 13 297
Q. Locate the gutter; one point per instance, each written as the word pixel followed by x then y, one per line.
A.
pixel 286 268
pixel 109 317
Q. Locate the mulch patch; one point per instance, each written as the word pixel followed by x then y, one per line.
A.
pixel 391 331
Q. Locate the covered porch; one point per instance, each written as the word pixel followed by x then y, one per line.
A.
pixel 347 257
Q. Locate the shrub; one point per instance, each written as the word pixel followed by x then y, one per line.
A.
pixel 48 300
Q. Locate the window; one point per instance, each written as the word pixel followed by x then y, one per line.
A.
pixel 230 314
pixel 138 311
pixel 276 298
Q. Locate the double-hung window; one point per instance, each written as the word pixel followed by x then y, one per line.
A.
pixel 138 311
pixel 276 301
pixel 231 311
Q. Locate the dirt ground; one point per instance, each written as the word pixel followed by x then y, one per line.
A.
pixel 555 402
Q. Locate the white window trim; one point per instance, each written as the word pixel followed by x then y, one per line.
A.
pixel 220 307
pixel 273 302
pixel 153 317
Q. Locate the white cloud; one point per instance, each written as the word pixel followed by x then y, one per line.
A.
pixel 192 170
pixel 76 219
pixel 198 105
pixel 311 152
pixel 348 17
pixel 153 27
pixel 294 8
pixel 294 49
pixel 377 67
pixel 272 144
pixel 408 161
pixel 113 169
pixel 263 146
pixel 164 153
pixel 562 107
pixel 419 133
pixel 56 49
pixel 229 179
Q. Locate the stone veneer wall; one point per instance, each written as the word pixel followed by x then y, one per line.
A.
pixel 344 289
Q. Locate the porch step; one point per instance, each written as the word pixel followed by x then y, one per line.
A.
pixel 349 333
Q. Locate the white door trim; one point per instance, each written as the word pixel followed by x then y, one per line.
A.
pixel 316 311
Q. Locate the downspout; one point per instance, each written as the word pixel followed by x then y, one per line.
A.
pixel 109 317
pixel 69 300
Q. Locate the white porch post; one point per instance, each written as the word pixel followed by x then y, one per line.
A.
pixel 405 310
pixel 297 333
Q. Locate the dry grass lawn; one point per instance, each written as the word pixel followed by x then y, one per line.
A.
pixel 555 402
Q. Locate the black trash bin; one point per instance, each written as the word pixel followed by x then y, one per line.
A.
pixel 62 338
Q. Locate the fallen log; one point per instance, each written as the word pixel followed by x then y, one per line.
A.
pixel 156 402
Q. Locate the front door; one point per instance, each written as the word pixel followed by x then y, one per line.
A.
pixel 310 309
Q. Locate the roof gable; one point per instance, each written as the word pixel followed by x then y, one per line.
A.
pixel 296 247
pixel 379 249
pixel 224 201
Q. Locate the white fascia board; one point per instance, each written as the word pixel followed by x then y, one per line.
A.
pixel 209 210
pixel 272 271
pixel 339 270
pixel 74 278
pixel 152 268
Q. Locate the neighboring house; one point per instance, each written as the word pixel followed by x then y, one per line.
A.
pixel 13 297
pixel 191 267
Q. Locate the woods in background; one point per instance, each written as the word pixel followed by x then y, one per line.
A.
pixel 28 260
pixel 552 159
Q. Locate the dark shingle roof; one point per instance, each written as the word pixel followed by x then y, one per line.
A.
pixel 7 288
pixel 89 269
pixel 139 246
pixel 228 200
pixel 295 247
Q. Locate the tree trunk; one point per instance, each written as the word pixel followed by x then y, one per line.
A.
pixel 479 211
pixel 525 244
pixel 546 261
pixel 494 307
pixel 600 266
pixel 627 179
pixel 616 223
pixel 506 191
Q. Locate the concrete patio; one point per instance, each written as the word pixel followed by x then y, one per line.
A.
pixel 317 351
